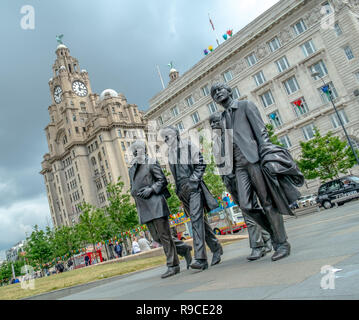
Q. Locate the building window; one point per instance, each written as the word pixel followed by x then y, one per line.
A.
pixel 212 107
pixel 123 146
pixel 275 119
pixel 324 96
pixel 119 132
pixel 357 76
pixel 291 85
pixel 227 76
pixel 205 90
pixel 159 121
pixel 259 78
pixel 235 93
pixel 327 8
pixel 349 53
pixel 319 67
pixel 175 111
pixel 180 126
pixel 355 143
pixel 77 130
pixel 274 44
pixel 338 30
pixel 251 59
pixel 195 117
pixel 102 198
pixel 285 141
pixel 267 99
pixel 308 48
pixel 300 107
pixel 299 27
pixel 282 64
pixel 335 120
pixel 190 101
pixel 308 131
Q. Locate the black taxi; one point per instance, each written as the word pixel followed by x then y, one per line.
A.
pixel 338 191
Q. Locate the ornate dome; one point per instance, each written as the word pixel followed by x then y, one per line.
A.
pixel 61 46
pixel 106 92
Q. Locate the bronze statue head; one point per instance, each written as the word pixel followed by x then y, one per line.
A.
pixel 215 120
pixel 221 92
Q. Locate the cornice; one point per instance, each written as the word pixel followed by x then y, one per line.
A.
pixel 224 52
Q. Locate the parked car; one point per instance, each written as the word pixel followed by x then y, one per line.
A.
pixel 308 200
pixel 294 205
pixel 338 191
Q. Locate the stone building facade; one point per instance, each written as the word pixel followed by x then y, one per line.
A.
pixel 88 138
pixel 271 62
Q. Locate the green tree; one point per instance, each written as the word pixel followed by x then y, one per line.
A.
pixel 38 248
pixel 174 203
pixel 121 210
pixel 273 137
pixel 212 178
pixel 325 157
pixel 64 240
pixel 91 224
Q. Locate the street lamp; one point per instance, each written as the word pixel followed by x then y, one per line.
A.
pixel 326 89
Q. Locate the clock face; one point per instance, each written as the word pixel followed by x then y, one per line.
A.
pixel 57 94
pixel 79 88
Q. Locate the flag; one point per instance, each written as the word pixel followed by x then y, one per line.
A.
pixel 298 103
pixel 210 21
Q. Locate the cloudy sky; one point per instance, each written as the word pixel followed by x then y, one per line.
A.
pixel 119 43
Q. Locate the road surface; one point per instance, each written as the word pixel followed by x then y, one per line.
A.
pixel 325 238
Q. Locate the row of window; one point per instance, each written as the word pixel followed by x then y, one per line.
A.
pixel 212 107
pixel 308 130
pixel 131 134
pixel 69 173
pixel 75 196
pixel 298 108
pixel 72 185
pixel 93 146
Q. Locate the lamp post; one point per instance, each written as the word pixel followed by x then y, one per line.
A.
pixel 317 74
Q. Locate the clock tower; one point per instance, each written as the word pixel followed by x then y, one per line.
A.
pixel 88 138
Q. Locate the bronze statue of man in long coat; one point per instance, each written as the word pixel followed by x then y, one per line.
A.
pixel 261 168
pixel 148 187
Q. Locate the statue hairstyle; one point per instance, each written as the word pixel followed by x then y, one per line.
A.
pixel 221 85
pixel 173 129
pixel 138 144
pixel 215 116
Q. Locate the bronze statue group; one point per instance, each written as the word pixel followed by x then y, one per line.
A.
pixel 261 177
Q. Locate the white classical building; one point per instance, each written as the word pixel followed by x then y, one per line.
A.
pixel 13 253
pixel 271 62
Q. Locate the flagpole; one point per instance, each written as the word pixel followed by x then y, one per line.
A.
pixel 159 73
pixel 215 33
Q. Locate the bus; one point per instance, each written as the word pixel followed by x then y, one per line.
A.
pixel 219 221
